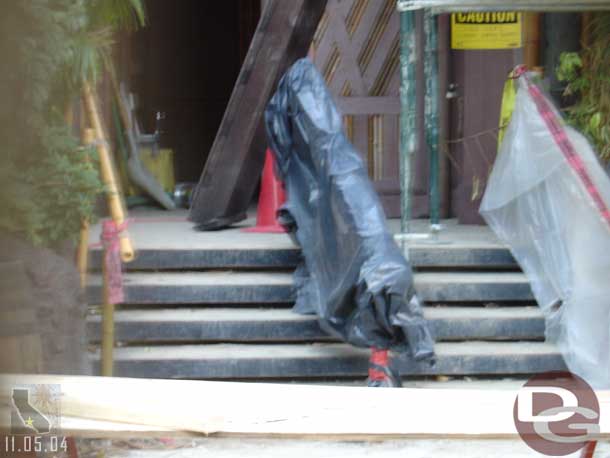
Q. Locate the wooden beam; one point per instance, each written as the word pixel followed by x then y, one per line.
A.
pixel 234 165
pixel 368 105
pixel 168 407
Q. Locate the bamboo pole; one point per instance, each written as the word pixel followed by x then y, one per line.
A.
pixel 83 245
pixel 107 327
pixel 83 253
pixel 109 176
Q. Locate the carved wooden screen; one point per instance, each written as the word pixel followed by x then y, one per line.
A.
pixel 356 47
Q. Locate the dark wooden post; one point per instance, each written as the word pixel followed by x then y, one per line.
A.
pixel 233 168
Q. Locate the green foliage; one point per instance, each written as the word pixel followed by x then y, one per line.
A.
pixel 39 168
pixel 588 76
pixel 117 14
pixel 51 190
pixel 91 50
pixel 48 183
pixel 90 54
pixel 34 43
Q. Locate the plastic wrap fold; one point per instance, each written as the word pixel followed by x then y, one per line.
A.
pixel 353 275
pixel 547 199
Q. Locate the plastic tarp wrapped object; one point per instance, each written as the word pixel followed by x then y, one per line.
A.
pixel 547 199
pixel 353 275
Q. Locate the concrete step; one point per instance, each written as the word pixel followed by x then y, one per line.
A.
pixel 169 242
pixel 270 287
pixel 276 361
pixel 282 325
pixel 278 257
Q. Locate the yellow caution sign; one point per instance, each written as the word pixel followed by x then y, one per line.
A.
pixel 486 30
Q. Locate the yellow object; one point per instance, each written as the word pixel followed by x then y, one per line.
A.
pixel 108 173
pixel 508 105
pixel 160 166
pixel 486 30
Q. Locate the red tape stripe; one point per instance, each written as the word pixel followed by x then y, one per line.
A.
pixel 565 145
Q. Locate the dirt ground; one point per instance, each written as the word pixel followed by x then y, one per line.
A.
pixel 51 285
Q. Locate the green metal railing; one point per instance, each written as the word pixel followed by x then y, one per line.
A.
pixel 503 5
pixel 431 113
pixel 408 112
pixel 408 75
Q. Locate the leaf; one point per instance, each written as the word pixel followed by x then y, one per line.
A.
pixel 595 121
pixel 587 74
pixel 118 14
pixel 569 65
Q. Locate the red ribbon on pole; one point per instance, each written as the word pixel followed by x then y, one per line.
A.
pixel 112 260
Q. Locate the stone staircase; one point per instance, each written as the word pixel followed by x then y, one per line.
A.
pixel 217 306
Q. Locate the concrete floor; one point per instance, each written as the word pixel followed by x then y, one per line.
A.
pixel 155 229
pixel 281 448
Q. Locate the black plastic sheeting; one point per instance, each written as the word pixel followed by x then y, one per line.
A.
pixel 353 275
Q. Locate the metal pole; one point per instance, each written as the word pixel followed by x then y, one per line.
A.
pixel 445 6
pixel 431 115
pixel 408 104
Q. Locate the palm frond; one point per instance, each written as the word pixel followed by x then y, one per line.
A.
pixel 91 50
pixel 90 54
pixel 119 14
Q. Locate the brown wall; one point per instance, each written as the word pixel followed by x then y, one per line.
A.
pixel 475 115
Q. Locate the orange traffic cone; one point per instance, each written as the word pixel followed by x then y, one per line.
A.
pixel 271 198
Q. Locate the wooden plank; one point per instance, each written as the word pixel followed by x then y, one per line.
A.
pixel 269 287
pixel 233 168
pixel 348 64
pixel 364 48
pixel 274 361
pixel 380 44
pixel 282 325
pixel 368 105
pixel 276 410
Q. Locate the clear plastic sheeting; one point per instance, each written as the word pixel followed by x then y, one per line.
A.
pixel 353 275
pixel 545 199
